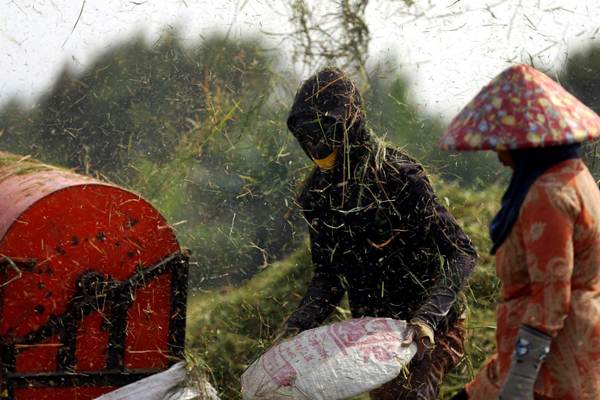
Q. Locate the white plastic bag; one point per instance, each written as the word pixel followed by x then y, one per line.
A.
pixel 335 361
pixel 166 385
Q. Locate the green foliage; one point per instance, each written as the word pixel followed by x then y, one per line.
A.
pixel 138 100
pixel 340 35
pixel 581 76
pixel 393 115
pixel 21 165
pixel 474 209
pixel 16 127
pixel 334 32
pixel 240 180
pixel 231 328
pixel 337 33
pixel 198 130
pixel 189 128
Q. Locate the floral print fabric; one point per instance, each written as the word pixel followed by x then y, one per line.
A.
pixel 549 267
pixel 521 108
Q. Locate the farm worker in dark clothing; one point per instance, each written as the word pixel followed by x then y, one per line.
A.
pixel 378 232
pixel 546 238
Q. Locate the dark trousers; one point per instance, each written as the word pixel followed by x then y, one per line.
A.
pixel 424 377
pixel 462 395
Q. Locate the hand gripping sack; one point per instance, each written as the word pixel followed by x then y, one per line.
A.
pixel 335 361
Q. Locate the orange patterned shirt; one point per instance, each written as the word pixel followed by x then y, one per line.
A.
pixel 549 266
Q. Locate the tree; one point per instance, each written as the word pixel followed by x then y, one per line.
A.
pixel 337 32
pixel 581 76
pixel 194 129
pixel 139 99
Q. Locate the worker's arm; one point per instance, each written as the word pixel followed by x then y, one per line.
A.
pixel 456 253
pixel 324 291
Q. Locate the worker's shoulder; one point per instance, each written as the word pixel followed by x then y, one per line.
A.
pixel 396 164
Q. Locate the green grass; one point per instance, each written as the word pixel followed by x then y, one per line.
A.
pixel 230 328
pixel 21 165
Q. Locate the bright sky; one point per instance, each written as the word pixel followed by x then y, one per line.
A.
pixel 448 50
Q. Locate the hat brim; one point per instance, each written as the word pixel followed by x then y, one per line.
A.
pixel 521 108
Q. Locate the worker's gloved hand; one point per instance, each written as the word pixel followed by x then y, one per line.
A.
pixel 531 348
pixel 423 336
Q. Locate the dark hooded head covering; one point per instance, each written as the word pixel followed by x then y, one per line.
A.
pixel 327 111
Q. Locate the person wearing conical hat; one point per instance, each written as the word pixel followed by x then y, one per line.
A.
pixel 377 233
pixel 546 238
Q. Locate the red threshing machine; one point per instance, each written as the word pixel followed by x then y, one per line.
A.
pixel 93 285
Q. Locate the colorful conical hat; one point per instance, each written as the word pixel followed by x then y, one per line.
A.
pixel 521 108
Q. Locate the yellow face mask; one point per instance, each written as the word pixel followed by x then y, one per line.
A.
pixel 326 163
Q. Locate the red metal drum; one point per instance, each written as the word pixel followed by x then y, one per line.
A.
pixel 92 285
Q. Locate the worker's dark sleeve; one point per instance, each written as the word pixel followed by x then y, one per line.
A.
pixel 324 291
pixel 457 254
